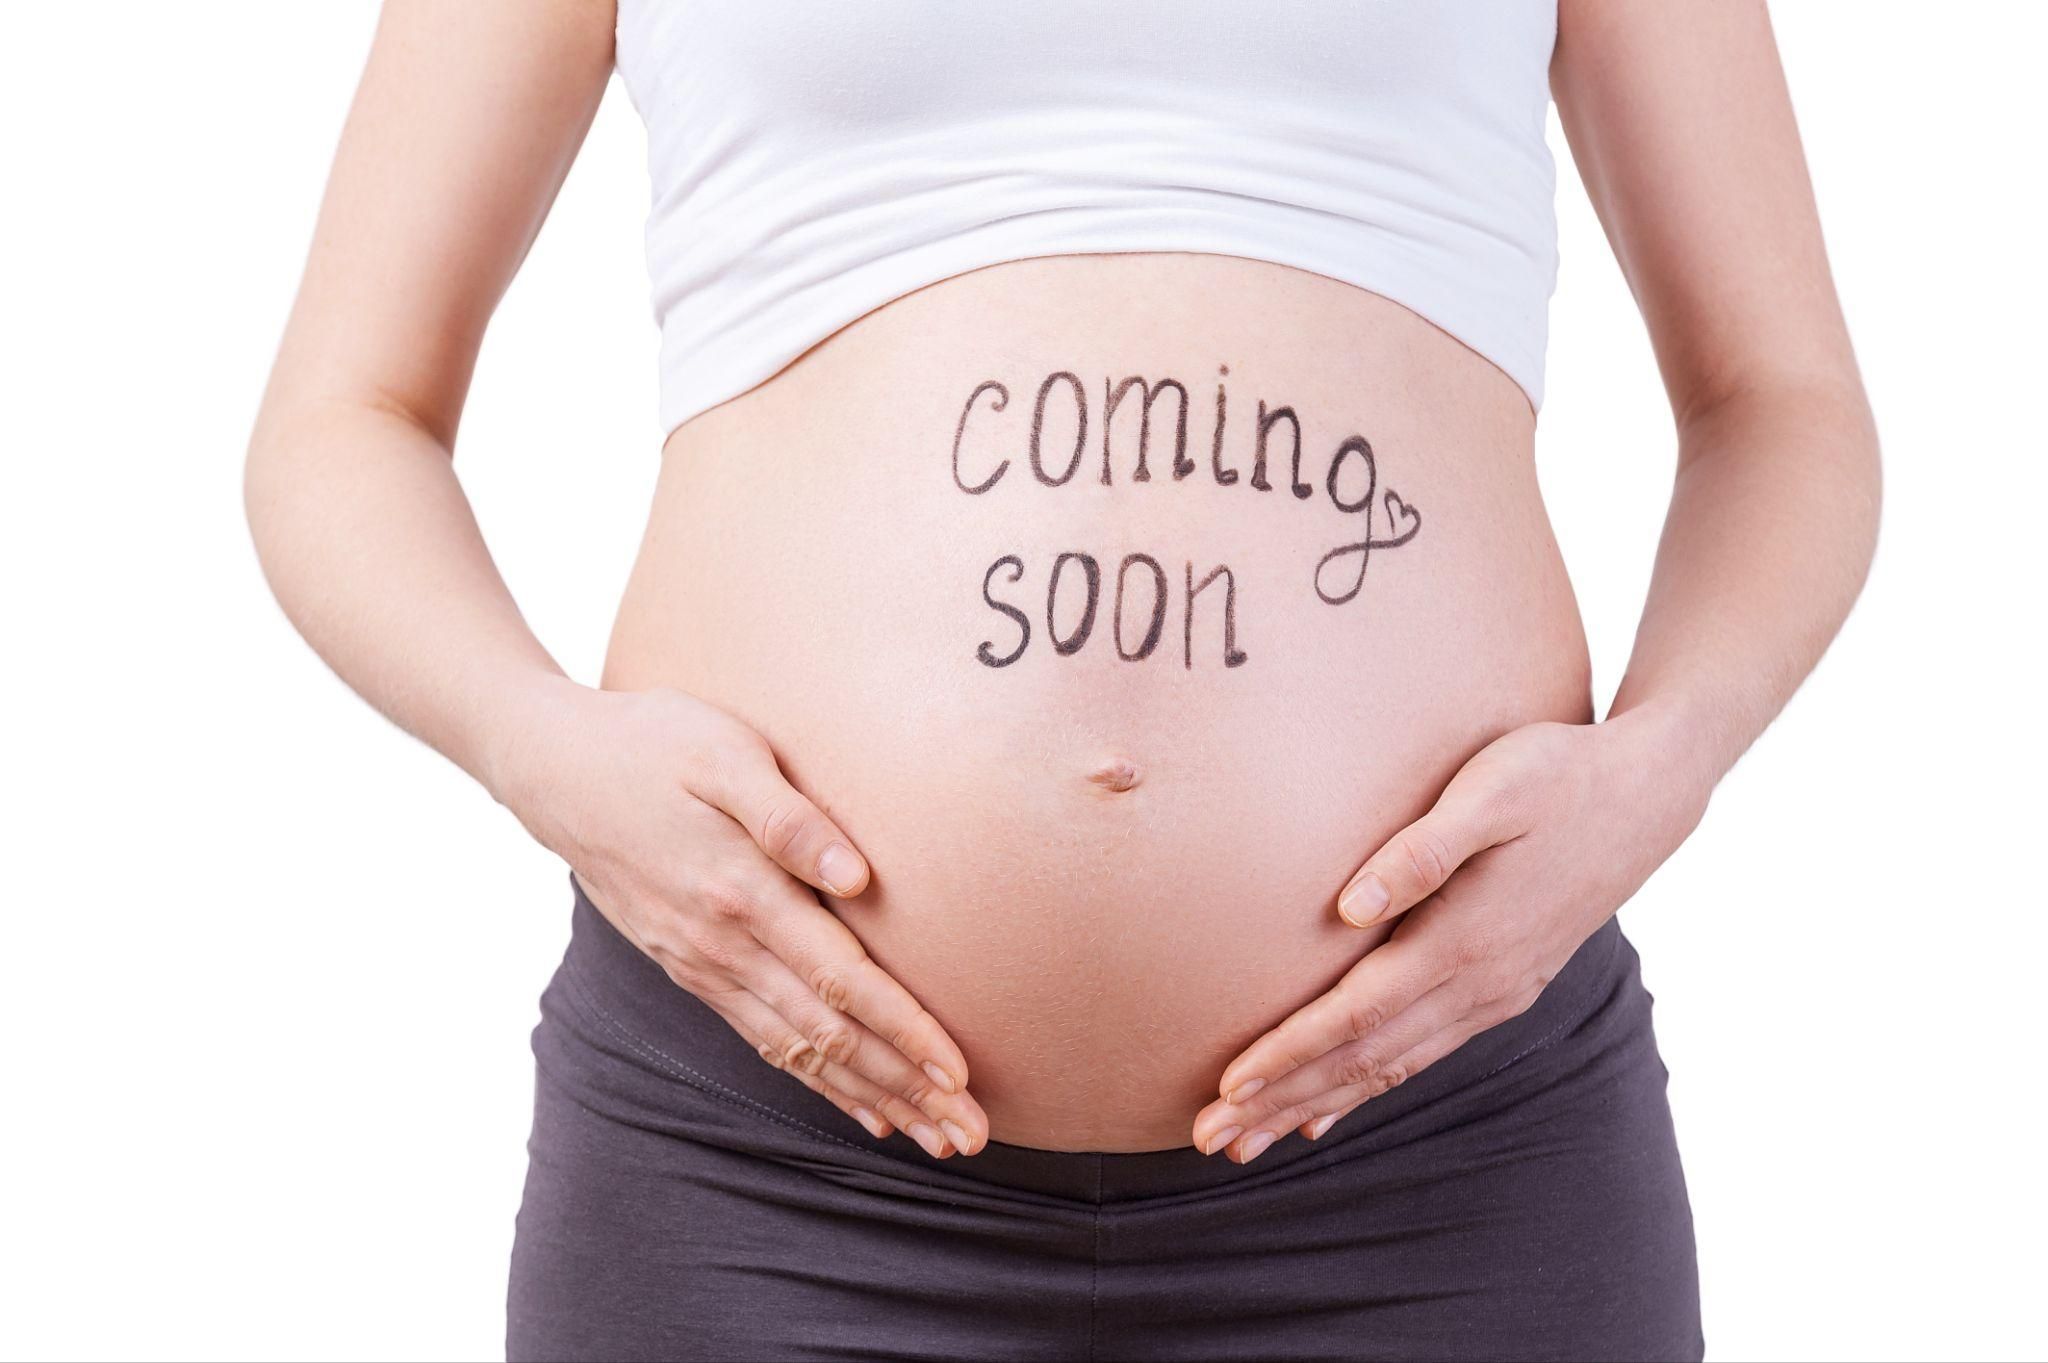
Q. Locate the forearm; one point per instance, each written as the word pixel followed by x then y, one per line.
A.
pixel 1771 528
pixel 372 549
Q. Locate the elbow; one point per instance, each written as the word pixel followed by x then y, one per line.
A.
pixel 1798 429
pixel 257 460
pixel 1851 431
pixel 1837 437
pixel 1799 441
pixel 264 477
pixel 321 472
pixel 287 485
pixel 1873 503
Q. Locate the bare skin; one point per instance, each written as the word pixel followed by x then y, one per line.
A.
pixel 677 791
pixel 1544 834
pixel 1108 870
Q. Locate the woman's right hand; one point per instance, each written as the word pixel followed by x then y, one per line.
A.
pixel 684 833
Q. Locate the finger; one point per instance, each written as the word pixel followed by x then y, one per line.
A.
pixel 774 1040
pixel 826 955
pixel 741 778
pixel 830 1040
pixel 827 1042
pixel 1468 818
pixel 764 930
pixel 878 1126
pixel 1385 982
pixel 1409 1064
pixel 1414 1062
pixel 754 1029
pixel 1330 1106
pixel 1320 1127
pixel 1368 1065
pixel 1435 1048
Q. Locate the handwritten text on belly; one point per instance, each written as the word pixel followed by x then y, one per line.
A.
pixel 1140 585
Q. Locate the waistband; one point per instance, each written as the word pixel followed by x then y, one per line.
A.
pixel 648 1018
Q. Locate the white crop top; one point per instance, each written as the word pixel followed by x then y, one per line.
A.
pixel 812 160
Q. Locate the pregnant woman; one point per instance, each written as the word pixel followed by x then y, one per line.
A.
pixel 1093 840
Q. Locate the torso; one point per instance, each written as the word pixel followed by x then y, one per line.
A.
pixel 1109 868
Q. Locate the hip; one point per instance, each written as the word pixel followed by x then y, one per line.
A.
pixel 1522 1198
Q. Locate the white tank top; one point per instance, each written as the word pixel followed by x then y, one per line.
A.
pixel 812 160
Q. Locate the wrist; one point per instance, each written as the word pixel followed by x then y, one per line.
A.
pixel 1662 753
pixel 516 747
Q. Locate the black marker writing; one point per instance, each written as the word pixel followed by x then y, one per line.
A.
pixel 1223 475
pixel 1002 401
pixel 1148 393
pixel 1158 621
pixel 1068 644
pixel 1403 518
pixel 1093 572
pixel 986 652
pixel 1038 427
pixel 1267 421
pixel 1231 656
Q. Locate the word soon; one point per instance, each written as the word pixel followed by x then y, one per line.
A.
pixel 1137 614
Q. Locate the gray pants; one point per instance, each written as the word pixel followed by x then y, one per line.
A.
pixel 1520 1199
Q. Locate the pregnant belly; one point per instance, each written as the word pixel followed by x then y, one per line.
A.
pixel 1117 607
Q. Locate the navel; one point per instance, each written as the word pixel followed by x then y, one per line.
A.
pixel 1116 775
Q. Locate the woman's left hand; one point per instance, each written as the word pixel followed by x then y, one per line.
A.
pixel 1535 843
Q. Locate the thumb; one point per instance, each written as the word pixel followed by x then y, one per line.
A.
pixel 746 784
pixel 1415 862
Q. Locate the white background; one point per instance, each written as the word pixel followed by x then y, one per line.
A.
pixel 269 966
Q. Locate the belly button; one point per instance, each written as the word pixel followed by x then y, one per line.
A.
pixel 1116 775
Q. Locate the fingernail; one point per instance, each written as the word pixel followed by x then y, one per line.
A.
pixel 955 1134
pixel 1243 1091
pixel 839 868
pixel 1221 1139
pixel 1320 1125
pixel 931 1140
pixel 1363 900
pixel 940 1077
pixel 1256 1146
pixel 871 1122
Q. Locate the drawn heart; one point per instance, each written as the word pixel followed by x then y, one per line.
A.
pixel 1403 521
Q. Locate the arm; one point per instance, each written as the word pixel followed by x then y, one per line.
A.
pixel 1774 433
pixel 675 817
pixel 1679 119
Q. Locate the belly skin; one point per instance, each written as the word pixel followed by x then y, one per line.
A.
pixel 1109 791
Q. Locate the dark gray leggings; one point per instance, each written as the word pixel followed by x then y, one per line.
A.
pixel 1520 1199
